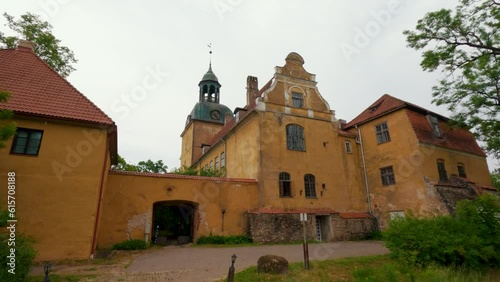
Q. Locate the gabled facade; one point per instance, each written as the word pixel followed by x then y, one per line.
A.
pixel 410 153
pixel 61 153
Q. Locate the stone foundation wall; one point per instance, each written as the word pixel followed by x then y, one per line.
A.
pixel 278 227
pixel 288 227
pixel 353 228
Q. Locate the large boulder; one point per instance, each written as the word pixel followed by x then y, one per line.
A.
pixel 272 264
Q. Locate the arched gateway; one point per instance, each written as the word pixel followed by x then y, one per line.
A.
pixel 173 222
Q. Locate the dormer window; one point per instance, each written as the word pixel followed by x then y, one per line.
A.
pixel 433 121
pixel 297 100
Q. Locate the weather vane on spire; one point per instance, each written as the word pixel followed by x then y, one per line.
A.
pixel 210 52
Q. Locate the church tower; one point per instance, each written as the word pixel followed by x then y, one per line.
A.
pixel 205 120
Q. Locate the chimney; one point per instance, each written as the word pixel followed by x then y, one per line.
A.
pixel 342 123
pixel 227 118
pixel 252 89
pixel 26 44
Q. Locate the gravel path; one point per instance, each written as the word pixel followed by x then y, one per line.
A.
pixel 192 264
pixel 209 264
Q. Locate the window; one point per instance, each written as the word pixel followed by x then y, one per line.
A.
pixel 397 214
pixel 310 185
pixel 348 147
pixel 211 164
pixel 27 142
pixel 297 100
pixel 387 175
pixel 461 170
pixel 295 138
pixel 216 162
pixel 442 170
pixel 285 185
pixel 222 159
pixel 435 125
pixel 206 167
pixel 382 133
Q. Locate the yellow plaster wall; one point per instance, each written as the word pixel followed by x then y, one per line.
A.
pixel 58 211
pixel 476 167
pixel 406 157
pixel 325 158
pixel 242 150
pixel 187 147
pixel 129 199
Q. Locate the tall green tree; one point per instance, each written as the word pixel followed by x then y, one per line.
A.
pixel 31 27
pixel 464 44
pixel 142 166
pixel 7 127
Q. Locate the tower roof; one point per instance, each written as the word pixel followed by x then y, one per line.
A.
pixel 210 75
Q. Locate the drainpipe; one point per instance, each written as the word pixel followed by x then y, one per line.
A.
pixel 360 142
pixel 99 200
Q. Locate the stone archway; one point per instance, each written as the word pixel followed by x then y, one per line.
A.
pixel 173 222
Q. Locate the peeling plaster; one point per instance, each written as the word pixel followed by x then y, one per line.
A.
pixel 139 220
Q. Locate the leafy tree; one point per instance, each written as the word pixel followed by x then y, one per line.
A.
pixel 150 166
pixel 142 166
pixel 465 45
pixel 7 127
pixel 185 170
pixel 495 178
pixel 48 48
pixel 123 165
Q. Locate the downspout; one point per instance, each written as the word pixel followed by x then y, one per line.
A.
pixel 96 224
pixel 360 142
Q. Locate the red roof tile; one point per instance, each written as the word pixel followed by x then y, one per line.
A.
pixel 355 215
pixel 452 138
pixel 38 90
pixel 293 211
pixel 180 176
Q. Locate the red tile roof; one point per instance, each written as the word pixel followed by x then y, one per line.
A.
pixel 180 176
pixel 38 90
pixel 355 215
pixel 453 138
pixel 293 211
pixel 382 106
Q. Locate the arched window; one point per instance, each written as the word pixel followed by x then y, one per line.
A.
pixel 295 138
pixel 310 185
pixel 443 176
pixel 285 185
pixel 461 170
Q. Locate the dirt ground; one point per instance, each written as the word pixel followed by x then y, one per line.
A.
pixel 195 263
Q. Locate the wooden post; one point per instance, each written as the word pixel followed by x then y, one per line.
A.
pixel 305 247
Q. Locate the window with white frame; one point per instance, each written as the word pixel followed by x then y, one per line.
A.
pixel 222 159
pixel 382 133
pixel 348 148
pixel 295 138
pixel 297 100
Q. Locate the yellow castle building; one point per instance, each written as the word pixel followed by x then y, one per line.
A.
pixel 282 154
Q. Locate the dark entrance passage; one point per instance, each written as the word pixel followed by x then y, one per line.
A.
pixel 172 223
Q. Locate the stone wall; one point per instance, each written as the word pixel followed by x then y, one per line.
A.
pixel 352 228
pixel 278 227
pixel 454 191
pixel 272 227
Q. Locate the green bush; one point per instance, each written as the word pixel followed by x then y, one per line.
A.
pixel 221 240
pixel 135 244
pixel 469 239
pixel 25 253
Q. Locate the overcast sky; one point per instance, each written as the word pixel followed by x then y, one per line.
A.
pixel 141 61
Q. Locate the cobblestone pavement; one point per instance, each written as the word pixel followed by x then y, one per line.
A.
pixel 188 263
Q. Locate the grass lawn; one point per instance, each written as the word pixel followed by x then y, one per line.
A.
pixel 373 268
